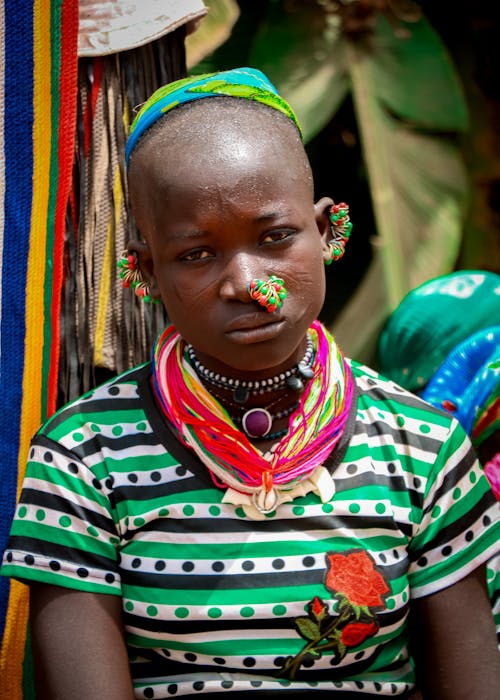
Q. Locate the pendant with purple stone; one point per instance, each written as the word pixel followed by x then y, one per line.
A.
pixel 257 422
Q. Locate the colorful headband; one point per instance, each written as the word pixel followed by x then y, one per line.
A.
pixel 246 83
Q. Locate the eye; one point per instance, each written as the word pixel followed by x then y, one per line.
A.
pixel 195 255
pixel 277 236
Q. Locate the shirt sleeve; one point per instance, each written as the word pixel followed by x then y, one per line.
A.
pixel 457 526
pixel 65 529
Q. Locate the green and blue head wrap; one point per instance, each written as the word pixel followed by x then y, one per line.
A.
pixel 246 83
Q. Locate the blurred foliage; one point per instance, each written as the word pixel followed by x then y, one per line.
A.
pixel 212 31
pixel 372 78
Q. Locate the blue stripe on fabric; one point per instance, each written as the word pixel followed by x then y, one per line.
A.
pixel 18 147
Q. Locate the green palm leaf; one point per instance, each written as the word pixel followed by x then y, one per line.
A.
pixel 416 173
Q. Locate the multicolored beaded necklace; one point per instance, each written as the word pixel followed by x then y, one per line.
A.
pixel 204 426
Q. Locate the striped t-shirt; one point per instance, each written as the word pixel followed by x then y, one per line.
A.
pixel 312 598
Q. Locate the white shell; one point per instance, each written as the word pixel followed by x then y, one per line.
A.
pixel 266 501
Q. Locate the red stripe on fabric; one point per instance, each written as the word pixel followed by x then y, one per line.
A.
pixel 68 86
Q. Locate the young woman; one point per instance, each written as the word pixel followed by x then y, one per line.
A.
pixel 250 512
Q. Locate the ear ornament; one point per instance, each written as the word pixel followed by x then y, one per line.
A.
pixel 131 276
pixel 341 227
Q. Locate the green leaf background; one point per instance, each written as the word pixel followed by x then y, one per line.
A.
pixel 410 112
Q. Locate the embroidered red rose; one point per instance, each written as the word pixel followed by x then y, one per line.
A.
pixel 356 632
pixel 317 606
pixel 354 576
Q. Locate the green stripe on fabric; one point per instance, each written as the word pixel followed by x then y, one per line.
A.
pixel 87 543
pixel 41 471
pixel 55 29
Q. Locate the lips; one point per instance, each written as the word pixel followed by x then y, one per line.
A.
pixel 251 321
pixel 255 327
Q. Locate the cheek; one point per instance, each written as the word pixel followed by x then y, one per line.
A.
pixel 184 297
pixel 308 281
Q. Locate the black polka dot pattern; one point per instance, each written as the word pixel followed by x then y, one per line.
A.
pixel 156 513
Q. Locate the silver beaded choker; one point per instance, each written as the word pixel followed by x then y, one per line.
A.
pixel 292 378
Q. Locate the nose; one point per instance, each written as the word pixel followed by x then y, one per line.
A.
pixel 237 273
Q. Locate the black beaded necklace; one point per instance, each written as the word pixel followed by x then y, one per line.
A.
pixel 257 422
pixel 241 389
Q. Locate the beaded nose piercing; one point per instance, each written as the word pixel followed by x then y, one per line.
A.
pixel 270 294
pixel 341 227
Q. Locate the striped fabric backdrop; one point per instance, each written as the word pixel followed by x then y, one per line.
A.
pixel 38 70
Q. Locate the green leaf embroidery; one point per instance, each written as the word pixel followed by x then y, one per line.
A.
pixel 308 629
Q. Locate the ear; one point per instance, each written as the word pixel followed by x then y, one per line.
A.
pixel 146 265
pixel 321 212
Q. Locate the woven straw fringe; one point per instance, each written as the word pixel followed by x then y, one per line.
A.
pixel 105 329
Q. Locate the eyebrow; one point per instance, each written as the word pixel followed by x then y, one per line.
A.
pixel 189 235
pixel 195 234
pixel 272 215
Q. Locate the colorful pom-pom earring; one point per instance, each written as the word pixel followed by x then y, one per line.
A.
pixel 341 227
pixel 270 294
pixel 131 276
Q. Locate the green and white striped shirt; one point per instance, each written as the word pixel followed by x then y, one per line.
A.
pixel 215 602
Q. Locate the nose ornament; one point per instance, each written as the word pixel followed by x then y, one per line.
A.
pixel 270 294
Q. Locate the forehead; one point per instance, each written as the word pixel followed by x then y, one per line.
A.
pixel 218 141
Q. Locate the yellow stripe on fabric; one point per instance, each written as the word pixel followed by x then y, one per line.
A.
pixel 104 290
pixel 17 617
pixel 16 626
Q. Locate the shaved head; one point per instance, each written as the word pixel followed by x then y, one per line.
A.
pixel 218 135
